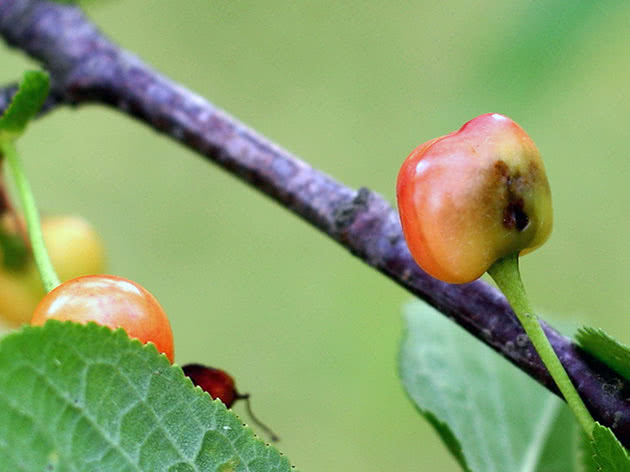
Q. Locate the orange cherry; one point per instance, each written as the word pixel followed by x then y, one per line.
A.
pixel 109 301
pixel 472 197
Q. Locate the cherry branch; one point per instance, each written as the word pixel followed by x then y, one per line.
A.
pixel 86 67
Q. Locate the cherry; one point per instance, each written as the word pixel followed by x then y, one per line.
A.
pixel 110 301
pixel 220 385
pixel 74 246
pixel 75 249
pixel 472 197
pixel 474 201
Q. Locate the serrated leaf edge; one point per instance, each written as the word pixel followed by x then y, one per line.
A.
pixel 150 347
pixel 581 339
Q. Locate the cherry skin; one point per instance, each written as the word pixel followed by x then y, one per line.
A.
pixel 75 249
pixel 74 246
pixel 472 197
pixel 19 295
pixel 110 301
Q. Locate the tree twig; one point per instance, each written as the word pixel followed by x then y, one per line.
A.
pixel 85 67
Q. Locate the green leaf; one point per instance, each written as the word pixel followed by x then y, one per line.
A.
pixel 586 454
pixel 605 348
pixel 608 453
pixel 490 415
pixel 26 103
pixel 13 250
pixel 84 398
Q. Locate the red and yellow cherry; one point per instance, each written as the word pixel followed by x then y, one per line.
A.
pixel 472 197
pixel 109 301
pixel 75 249
pixel 220 385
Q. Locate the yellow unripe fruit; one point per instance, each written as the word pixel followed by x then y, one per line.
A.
pixel 75 249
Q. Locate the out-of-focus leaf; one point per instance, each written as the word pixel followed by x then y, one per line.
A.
pixel 26 103
pixel 491 416
pixel 537 40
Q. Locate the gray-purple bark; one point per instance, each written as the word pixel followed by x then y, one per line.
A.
pixel 85 67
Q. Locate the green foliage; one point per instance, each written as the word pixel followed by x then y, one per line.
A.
pixel 586 454
pixel 539 41
pixel 491 416
pixel 605 348
pixel 14 251
pixel 75 398
pixel 26 103
pixel 608 453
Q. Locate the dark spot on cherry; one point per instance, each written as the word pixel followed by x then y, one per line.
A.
pixel 501 168
pixel 514 216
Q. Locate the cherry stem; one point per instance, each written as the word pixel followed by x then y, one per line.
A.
pixel 6 206
pixel 245 396
pixel 44 265
pixel 507 276
pixel 14 243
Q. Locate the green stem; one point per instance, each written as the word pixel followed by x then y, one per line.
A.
pixel 506 274
pixel 46 269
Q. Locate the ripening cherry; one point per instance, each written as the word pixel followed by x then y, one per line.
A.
pixel 474 201
pixel 110 301
pixel 220 385
pixel 19 294
pixel 472 197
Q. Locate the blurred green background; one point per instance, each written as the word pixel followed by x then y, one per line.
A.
pixel 352 87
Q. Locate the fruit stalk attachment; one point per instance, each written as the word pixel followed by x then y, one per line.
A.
pixel 471 202
pixel 505 272
pixel 46 270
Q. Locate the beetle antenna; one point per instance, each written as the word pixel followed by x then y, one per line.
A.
pixel 245 396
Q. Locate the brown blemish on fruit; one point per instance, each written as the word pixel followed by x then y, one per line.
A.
pixel 533 169
pixel 514 216
pixel 501 168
